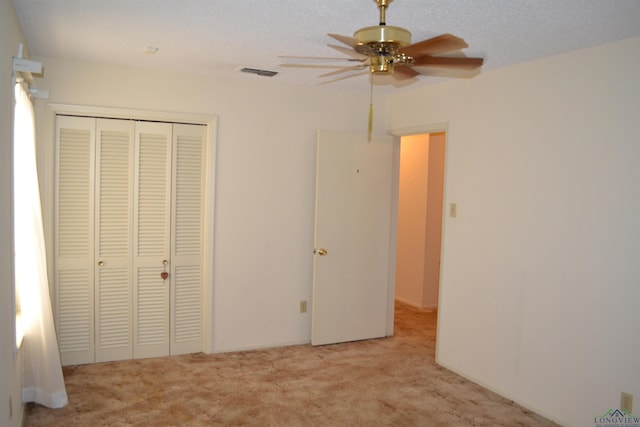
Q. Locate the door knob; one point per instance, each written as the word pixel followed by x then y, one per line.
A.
pixel 322 251
pixel 164 273
pixel 100 263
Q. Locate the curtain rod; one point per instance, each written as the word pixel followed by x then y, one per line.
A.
pixel 25 67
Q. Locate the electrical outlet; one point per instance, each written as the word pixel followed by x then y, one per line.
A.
pixel 626 402
pixel 303 306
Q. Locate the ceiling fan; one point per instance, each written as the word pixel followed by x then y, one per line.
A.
pixel 387 50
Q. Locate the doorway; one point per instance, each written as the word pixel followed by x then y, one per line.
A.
pixel 420 214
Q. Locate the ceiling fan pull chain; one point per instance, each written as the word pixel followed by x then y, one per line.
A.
pixel 370 128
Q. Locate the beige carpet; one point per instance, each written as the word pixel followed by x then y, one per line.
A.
pixel 388 381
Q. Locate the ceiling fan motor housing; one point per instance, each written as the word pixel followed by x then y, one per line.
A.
pixel 381 43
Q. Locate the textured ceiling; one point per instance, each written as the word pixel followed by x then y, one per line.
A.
pixel 220 36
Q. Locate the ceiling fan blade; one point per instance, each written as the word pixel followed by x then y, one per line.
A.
pixel 321 58
pixel 343 70
pixel 449 62
pixel 438 44
pixel 345 77
pixel 404 73
pixel 312 66
pixel 355 56
pixel 349 41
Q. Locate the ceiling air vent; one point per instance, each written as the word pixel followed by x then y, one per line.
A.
pixel 265 73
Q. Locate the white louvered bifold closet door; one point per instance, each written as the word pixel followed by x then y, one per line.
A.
pixel 186 237
pixel 129 206
pixel 113 233
pixel 74 291
pixel 151 239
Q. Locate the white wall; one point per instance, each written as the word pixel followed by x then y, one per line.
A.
pixel 265 181
pixel 433 227
pixel 412 219
pixel 10 383
pixel 420 219
pixel 540 289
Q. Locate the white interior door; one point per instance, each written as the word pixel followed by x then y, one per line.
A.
pixel 151 239
pixel 354 180
pixel 186 277
pixel 74 248
pixel 113 196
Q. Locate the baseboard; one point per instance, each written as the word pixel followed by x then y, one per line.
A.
pixel 261 347
pixel 413 304
pixel 502 393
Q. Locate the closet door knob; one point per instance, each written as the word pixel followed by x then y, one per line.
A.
pixel 100 263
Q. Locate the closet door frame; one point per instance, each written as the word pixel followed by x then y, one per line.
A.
pixel 46 154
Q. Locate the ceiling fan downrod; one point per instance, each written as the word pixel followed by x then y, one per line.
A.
pixel 382 6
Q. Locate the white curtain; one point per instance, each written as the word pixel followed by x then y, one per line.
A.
pixel 42 379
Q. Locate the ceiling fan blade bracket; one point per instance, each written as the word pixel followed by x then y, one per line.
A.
pixel 402 59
